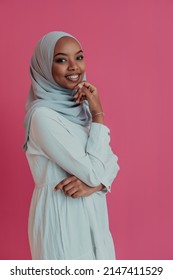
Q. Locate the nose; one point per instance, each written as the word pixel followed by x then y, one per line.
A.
pixel 72 65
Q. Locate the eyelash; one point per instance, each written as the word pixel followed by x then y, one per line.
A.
pixel 60 60
pixel 81 56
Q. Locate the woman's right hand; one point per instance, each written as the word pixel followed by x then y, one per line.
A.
pixel 86 91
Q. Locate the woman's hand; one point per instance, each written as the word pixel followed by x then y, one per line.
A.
pixel 75 188
pixel 86 91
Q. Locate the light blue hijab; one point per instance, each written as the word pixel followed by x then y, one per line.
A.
pixel 44 91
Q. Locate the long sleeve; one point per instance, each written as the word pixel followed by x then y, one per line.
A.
pixel 111 171
pixel 62 147
pixel 111 166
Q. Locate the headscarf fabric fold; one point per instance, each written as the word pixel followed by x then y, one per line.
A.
pixel 45 92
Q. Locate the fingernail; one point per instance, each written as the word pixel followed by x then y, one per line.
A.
pixel 75 91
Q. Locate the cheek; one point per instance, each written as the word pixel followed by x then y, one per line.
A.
pixel 57 71
pixel 83 71
pixel 83 67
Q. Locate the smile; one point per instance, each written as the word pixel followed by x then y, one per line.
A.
pixel 73 78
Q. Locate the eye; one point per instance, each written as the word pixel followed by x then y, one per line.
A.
pixel 60 60
pixel 80 57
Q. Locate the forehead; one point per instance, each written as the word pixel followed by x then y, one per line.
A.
pixel 66 44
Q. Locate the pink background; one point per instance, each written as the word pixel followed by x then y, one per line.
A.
pixel 129 52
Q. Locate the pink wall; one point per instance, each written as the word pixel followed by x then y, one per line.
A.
pixel 128 47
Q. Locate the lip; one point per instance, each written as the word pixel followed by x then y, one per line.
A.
pixel 72 74
pixel 73 79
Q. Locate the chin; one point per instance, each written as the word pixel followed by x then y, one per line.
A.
pixel 70 86
pixel 73 85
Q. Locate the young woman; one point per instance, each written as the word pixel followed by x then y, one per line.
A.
pixel 68 151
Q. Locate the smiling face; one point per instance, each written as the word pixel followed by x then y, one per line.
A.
pixel 68 66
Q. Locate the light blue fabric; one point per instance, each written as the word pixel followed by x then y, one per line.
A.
pixel 44 91
pixel 61 227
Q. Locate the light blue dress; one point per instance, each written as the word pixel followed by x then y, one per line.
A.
pixel 61 227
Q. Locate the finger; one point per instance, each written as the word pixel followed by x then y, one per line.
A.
pixel 79 86
pixel 58 187
pixel 76 95
pixel 64 182
pixel 83 94
pixel 76 195
pixel 72 191
pixel 68 187
pixel 88 91
pixel 85 84
pixel 79 99
pixel 77 90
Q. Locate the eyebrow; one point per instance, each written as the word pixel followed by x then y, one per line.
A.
pixel 66 54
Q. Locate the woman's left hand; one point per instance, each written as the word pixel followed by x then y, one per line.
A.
pixel 75 188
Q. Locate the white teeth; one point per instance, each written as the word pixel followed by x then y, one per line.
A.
pixel 73 76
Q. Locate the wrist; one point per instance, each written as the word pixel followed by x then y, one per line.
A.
pixel 98 113
pixel 99 188
pixel 98 117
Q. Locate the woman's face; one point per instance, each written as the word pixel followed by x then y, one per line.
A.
pixel 68 66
